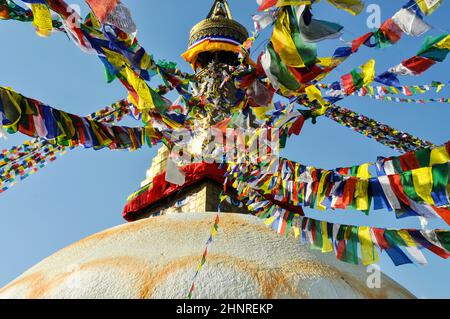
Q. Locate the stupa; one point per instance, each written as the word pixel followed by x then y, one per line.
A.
pixel 157 253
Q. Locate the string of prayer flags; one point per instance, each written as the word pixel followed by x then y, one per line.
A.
pixel 382 133
pixel 352 6
pixel 9 10
pixel 383 93
pixel 363 244
pixel 35 119
pixel 116 48
pixel 286 69
pixel 407 100
pixel 434 49
pixel 24 160
pixel 407 20
pixel 210 240
pixel 344 240
pixel 417 191
pixel 9 157
pixel 404 21
pixel 334 89
pixel 112 113
pixel 35 155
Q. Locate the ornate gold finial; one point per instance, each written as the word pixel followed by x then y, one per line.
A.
pixel 220 8
pixel 219 23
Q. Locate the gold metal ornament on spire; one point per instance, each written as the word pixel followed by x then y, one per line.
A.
pixel 218 23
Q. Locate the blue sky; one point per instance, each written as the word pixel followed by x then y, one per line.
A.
pixel 84 191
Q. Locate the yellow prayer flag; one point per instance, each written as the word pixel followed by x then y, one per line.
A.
pixel 95 22
pixel 143 91
pixel 284 44
pixel 444 43
pixel 369 254
pixel 406 238
pixel 314 94
pixel 361 195
pixel 368 71
pixel 439 156
pixel 326 61
pixel 355 7
pixel 363 171
pixel 321 191
pixel 68 121
pixel 265 186
pixel 269 221
pixel 423 183
pixel 428 6
pixel 116 59
pixel 261 111
pixel 283 3
pixel 327 247
pixel 42 19
pixel 296 231
pixel 13 116
pixel 394 90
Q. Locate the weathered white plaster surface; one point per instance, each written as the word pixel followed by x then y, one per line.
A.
pixel 156 258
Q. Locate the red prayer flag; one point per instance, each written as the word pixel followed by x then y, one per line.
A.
pixel 266 4
pixel 397 188
pixel 438 251
pixel 296 128
pixel 349 85
pixel 102 8
pixel 340 249
pixel 418 64
pixel 444 213
pixel 356 44
pixel 379 235
pixel 409 162
pixel 392 31
pixel 306 75
pixel 407 91
pixel 347 195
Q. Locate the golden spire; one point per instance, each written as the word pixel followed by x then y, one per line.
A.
pixel 220 8
pixel 218 23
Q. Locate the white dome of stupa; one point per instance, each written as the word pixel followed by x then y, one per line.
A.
pixel 157 257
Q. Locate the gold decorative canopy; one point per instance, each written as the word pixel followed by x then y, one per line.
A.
pixel 218 23
pixel 217 33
